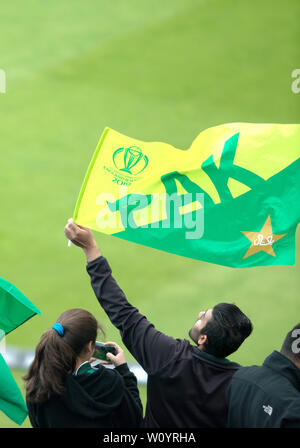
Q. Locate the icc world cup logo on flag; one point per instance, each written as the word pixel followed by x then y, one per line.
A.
pixel 130 160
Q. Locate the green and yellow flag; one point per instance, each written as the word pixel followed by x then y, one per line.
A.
pixel 15 309
pixel 232 198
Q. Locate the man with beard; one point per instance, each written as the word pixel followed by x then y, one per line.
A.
pixel 187 383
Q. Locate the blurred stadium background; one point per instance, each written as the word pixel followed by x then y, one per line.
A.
pixel 159 70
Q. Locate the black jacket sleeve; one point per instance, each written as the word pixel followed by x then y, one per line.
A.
pixel 133 412
pixel 151 348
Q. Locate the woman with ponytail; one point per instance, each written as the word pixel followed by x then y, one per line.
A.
pixel 64 390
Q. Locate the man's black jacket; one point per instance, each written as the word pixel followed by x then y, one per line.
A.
pixel 266 396
pixel 186 387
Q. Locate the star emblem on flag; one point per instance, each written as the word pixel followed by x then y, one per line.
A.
pixel 262 240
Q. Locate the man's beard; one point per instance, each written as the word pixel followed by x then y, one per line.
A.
pixel 193 336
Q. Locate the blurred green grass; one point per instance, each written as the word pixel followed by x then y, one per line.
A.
pixel 162 71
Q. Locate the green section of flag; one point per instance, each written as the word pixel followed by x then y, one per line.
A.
pixel 15 308
pixel 222 241
pixel 11 400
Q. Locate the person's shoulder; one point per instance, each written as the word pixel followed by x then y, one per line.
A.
pixel 184 348
pixel 249 370
pixel 98 381
pixel 213 361
pixel 251 375
pixel 87 374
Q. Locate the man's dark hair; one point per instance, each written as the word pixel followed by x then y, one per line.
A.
pixel 291 344
pixel 226 330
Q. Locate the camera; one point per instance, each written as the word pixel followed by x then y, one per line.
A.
pixel 101 350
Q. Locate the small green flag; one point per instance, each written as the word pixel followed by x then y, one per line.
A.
pixel 11 400
pixel 15 309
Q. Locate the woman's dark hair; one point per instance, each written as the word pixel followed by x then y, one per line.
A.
pixel 55 355
pixel 226 330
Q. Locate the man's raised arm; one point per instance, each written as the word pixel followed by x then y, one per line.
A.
pixel 151 348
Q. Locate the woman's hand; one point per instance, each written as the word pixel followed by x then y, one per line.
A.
pixel 117 359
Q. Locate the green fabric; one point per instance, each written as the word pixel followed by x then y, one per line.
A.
pixel 85 368
pixel 11 400
pixel 223 242
pixel 15 309
pixel 214 358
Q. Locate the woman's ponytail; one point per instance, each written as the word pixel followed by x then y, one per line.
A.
pixel 57 352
